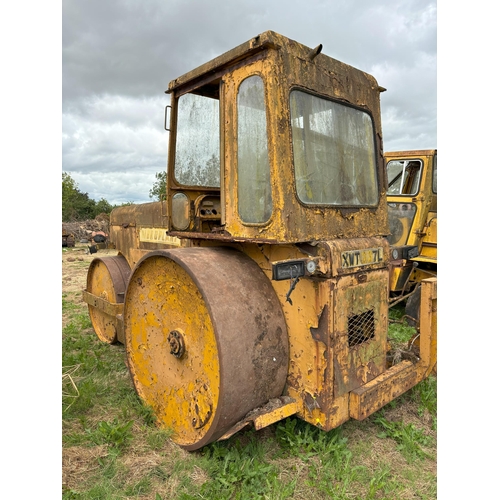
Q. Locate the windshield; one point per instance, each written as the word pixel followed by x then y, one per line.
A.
pixel 333 151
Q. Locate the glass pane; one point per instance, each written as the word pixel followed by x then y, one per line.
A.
pixel 334 152
pixel 254 183
pixel 403 176
pixel 197 158
pixel 400 220
pixel 394 171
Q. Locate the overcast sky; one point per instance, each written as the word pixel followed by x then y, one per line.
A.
pixel 119 56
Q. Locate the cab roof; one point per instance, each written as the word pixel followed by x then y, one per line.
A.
pixel 266 40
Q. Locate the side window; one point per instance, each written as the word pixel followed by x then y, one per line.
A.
pixel 197 157
pixel 254 180
pixel 403 176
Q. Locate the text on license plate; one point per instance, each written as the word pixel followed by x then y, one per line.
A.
pixel 365 257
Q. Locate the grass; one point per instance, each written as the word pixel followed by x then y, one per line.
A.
pixel 112 448
pixel 399 330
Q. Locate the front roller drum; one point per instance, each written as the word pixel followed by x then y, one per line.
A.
pixel 206 340
pixel 107 279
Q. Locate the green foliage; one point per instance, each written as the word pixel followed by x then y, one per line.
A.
pixel 157 440
pixel 408 436
pixel 302 439
pixel 427 395
pixel 399 330
pixel 83 357
pixel 103 207
pixel 75 204
pixel 105 489
pixel 396 312
pixel 327 454
pixel 147 413
pixel 69 306
pixel 79 206
pixel 159 189
pixel 141 487
pixel 112 433
pixel 69 494
pixel 239 471
pixel 378 482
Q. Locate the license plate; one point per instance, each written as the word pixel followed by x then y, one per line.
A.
pixel 356 258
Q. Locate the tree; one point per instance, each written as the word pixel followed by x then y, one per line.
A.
pixel 159 189
pixel 77 205
pixel 69 188
pixel 103 206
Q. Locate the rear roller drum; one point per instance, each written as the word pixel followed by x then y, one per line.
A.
pixel 107 279
pixel 206 340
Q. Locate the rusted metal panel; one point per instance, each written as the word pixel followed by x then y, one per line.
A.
pixel 291 220
pixel 410 153
pixel 379 253
pixel 273 411
pixel 109 308
pixel 429 240
pixel 372 396
pixel 68 239
pixel 428 327
pixel 323 366
pixel 229 58
pixel 138 229
pixel 360 328
pixel 401 377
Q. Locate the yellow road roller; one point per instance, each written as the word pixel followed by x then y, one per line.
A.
pixel 259 288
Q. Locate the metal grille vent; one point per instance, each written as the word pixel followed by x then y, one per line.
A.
pixel 361 327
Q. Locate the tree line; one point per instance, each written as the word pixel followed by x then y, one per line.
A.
pixel 78 206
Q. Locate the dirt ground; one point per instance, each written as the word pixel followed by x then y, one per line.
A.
pixel 75 264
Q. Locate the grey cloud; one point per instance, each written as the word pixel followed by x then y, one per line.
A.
pixel 119 56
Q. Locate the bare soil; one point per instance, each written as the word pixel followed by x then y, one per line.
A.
pixel 75 264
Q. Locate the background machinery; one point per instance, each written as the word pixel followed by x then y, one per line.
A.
pixel 260 288
pixel 412 206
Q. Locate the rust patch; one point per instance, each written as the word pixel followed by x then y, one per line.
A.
pixel 320 334
pixel 311 402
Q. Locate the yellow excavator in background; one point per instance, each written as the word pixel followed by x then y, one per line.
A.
pixel 412 205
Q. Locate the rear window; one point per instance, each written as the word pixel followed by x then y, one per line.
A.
pixel 333 151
